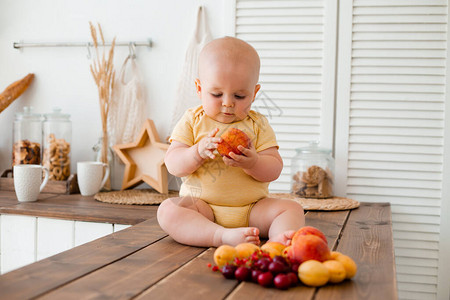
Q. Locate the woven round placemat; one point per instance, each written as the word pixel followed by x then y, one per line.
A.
pixel 139 197
pixel 334 203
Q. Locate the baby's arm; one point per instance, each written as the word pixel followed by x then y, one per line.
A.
pixel 182 160
pixel 263 166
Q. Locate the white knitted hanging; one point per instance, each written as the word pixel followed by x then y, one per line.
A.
pixel 127 111
pixel 186 95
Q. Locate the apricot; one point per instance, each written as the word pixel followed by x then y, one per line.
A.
pixel 334 254
pixel 224 254
pixel 313 273
pixel 308 247
pixel 336 269
pixel 349 265
pixel 245 250
pixel 285 252
pixel 273 248
pixel 306 230
pixel 231 139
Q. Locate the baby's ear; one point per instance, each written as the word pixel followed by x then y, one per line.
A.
pixel 198 87
pixel 257 87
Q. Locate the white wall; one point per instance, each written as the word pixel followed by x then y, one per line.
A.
pixel 62 74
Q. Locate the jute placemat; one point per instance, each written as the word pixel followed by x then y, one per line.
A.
pixel 139 197
pixel 149 197
pixel 334 203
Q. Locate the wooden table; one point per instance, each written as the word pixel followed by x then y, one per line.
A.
pixel 142 262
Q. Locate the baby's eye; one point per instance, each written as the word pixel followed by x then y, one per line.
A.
pixel 239 96
pixel 218 95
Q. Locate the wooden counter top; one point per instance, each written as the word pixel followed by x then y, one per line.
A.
pixel 142 262
pixel 76 207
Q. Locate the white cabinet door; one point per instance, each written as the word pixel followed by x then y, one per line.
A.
pixel 54 236
pixel 18 241
pixel 24 239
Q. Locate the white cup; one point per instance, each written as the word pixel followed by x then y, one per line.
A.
pixel 90 177
pixel 28 181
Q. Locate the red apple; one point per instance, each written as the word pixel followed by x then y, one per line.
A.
pixel 308 247
pixel 231 139
pixel 306 230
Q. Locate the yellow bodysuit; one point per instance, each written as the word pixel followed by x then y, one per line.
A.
pixel 229 191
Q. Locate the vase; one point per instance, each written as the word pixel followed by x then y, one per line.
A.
pixel 99 155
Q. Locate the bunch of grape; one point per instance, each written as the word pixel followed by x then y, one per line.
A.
pixel 264 270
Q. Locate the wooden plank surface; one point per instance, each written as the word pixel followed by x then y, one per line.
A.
pixel 193 281
pixel 128 277
pixel 53 272
pixel 367 239
pixel 78 208
pixel 141 262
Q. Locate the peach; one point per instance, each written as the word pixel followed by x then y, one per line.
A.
pixel 231 139
pixel 308 247
pixel 336 269
pixel 309 230
pixel 273 248
pixel 349 265
pixel 313 273
pixel 244 250
pixel 224 254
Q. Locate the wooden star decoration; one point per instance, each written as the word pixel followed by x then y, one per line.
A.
pixel 144 160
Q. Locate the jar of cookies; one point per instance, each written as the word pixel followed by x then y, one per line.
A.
pixel 312 171
pixel 57 134
pixel 27 137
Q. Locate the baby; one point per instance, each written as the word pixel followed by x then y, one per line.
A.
pixel 224 200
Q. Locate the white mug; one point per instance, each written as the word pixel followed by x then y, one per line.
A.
pixel 90 177
pixel 28 181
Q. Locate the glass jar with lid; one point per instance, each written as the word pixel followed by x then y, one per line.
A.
pixel 27 137
pixel 57 135
pixel 312 171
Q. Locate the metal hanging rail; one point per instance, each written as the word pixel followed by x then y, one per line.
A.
pixel 18 45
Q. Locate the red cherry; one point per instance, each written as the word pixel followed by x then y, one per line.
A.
pixel 228 271
pixel 277 267
pixel 282 281
pixel 293 278
pixel 294 267
pixel 263 264
pixel 255 274
pixel 265 279
pixel 243 274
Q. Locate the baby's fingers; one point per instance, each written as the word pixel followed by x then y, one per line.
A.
pixel 213 132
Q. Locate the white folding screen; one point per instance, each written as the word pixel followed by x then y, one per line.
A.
pixel 390 124
pixel 297 52
pixel 381 109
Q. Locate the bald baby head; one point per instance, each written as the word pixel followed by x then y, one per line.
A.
pixel 229 51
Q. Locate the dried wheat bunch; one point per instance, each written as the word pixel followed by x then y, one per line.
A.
pixel 102 70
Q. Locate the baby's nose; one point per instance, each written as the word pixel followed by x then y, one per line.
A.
pixel 227 101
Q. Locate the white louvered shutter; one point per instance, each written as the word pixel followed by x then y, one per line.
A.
pixel 296 43
pixel 390 124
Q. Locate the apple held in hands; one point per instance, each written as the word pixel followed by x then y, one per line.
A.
pixel 231 139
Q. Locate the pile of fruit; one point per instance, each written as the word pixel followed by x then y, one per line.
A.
pixel 307 259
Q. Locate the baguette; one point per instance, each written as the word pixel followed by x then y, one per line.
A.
pixel 14 90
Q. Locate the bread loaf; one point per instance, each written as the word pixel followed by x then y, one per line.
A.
pixel 14 90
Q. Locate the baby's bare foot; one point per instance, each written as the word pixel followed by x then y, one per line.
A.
pixel 284 237
pixel 235 236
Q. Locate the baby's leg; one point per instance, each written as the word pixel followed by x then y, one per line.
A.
pixel 190 221
pixel 277 219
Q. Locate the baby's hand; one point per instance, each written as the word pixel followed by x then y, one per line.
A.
pixel 208 144
pixel 247 160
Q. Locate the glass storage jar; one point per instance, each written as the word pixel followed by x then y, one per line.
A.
pixel 27 138
pixel 312 171
pixel 57 131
